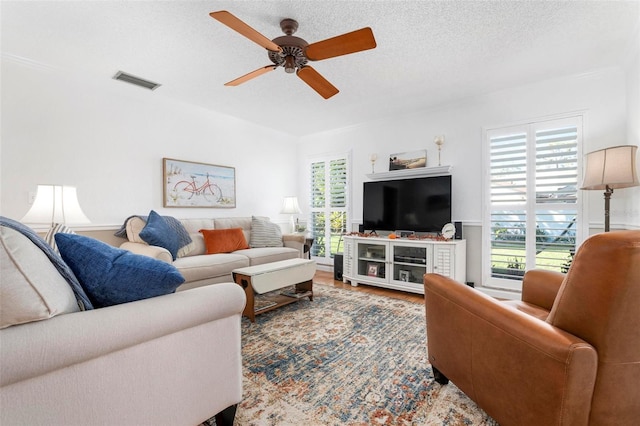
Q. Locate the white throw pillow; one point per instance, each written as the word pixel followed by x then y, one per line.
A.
pixel 31 288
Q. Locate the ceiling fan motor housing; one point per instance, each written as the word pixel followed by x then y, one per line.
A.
pixel 292 55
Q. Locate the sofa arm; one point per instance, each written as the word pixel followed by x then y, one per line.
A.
pixel 155 252
pixel 36 348
pixel 540 287
pixel 295 241
pixel 97 367
pixel 500 357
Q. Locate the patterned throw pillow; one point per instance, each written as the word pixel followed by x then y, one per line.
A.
pixel 157 232
pixel 111 276
pixel 264 233
pixel 224 240
pixel 55 229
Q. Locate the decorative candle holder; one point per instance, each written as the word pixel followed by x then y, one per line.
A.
pixel 373 158
pixel 439 140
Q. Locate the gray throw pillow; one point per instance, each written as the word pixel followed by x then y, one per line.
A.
pixel 264 233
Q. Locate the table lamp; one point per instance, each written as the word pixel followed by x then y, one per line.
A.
pixel 609 169
pixel 55 205
pixel 290 206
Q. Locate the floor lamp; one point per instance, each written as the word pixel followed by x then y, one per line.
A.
pixel 290 206
pixel 609 169
pixel 55 205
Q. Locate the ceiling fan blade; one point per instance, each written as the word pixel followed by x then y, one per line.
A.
pixel 317 82
pixel 237 25
pixel 344 44
pixel 252 74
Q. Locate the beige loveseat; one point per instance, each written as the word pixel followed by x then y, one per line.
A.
pixel 199 268
pixel 167 360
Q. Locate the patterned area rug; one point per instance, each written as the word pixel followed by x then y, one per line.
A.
pixel 347 358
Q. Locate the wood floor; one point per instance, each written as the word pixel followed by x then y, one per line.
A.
pixel 326 278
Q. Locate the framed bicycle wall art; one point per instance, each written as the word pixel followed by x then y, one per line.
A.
pixel 191 184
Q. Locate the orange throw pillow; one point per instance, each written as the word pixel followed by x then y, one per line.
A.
pixel 224 240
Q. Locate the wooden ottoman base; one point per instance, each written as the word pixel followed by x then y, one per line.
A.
pixel 266 278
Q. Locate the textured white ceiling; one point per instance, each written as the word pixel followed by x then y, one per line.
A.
pixel 429 52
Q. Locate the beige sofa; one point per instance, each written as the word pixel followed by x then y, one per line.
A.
pixel 151 361
pixel 199 268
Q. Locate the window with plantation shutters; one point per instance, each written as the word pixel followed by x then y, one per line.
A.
pixel 532 208
pixel 328 204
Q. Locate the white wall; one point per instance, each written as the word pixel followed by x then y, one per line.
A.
pixel 108 138
pixel 601 95
pixel 632 211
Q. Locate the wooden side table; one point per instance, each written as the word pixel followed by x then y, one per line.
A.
pixel 308 243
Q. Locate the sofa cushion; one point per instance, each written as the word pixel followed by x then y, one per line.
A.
pixel 259 256
pixel 157 232
pixel 264 233
pixel 31 288
pixel 197 268
pixel 199 246
pixel 232 222
pixel 111 276
pixel 224 240
pixel 194 225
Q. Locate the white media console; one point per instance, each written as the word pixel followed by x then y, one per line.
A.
pixel 400 263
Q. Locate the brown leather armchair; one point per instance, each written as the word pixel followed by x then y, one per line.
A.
pixel 568 353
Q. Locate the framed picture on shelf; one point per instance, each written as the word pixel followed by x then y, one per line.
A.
pixel 404 275
pixel 372 269
pixel 408 160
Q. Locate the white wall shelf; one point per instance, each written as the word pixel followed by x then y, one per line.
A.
pixel 419 172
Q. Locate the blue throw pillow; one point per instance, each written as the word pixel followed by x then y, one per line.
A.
pixel 158 232
pixel 111 276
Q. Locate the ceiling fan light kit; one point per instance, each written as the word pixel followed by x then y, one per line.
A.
pixel 293 53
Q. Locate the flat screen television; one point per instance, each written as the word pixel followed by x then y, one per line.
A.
pixel 418 204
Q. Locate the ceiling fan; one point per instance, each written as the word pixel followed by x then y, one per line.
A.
pixel 293 53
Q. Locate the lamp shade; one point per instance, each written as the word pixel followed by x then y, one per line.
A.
pixel 613 167
pixel 56 204
pixel 290 206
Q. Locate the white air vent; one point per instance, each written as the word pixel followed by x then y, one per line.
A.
pixel 123 76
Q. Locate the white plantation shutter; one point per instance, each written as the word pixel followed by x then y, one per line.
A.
pixel 508 169
pixel 533 209
pixel 317 185
pixel 338 182
pixel 328 204
pixel 556 195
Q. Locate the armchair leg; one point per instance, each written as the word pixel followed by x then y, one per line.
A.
pixel 226 416
pixel 439 377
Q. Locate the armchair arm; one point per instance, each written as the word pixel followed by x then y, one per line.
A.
pixel 502 358
pixel 155 252
pixel 540 287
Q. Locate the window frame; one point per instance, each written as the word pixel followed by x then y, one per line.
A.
pixel 327 209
